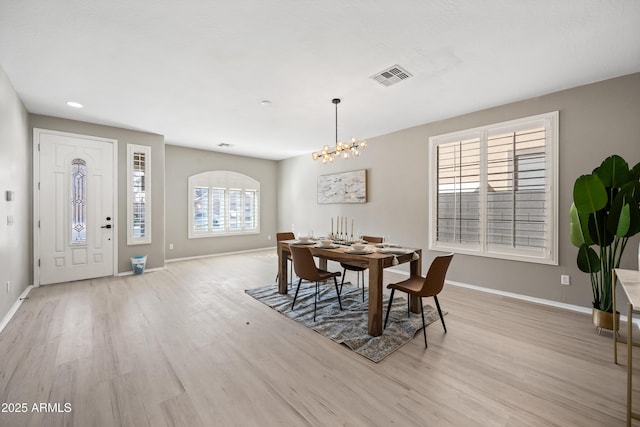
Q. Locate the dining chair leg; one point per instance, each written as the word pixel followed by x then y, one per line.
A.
pixel 296 295
pixel 424 327
pixel 344 274
pixel 362 272
pixel 440 313
pixel 315 302
pixel 338 293
pixel 290 273
pixel 388 308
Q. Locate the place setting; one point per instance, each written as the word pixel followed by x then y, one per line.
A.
pixel 358 248
pixel 304 240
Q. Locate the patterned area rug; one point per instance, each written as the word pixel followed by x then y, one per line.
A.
pixel 349 326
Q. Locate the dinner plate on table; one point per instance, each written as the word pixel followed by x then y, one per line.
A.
pixel 387 245
pixel 395 251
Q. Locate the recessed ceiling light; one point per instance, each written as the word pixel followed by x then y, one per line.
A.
pixel 265 103
pixel 74 104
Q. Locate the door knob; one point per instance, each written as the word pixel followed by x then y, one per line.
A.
pixel 106 226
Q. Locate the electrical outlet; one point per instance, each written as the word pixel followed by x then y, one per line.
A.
pixel 8 286
pixel 565 279
pixel 269 237
pixel 170 246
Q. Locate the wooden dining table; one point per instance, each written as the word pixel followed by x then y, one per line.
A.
pixel 376 262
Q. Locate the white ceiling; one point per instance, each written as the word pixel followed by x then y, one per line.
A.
pixel 196 71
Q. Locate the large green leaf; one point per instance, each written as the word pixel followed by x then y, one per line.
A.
pixel 588 260
pixel 614 171
pixel 575 228
pixel 589 194
pixel 624 222
pixel 624 216
pixel 579 228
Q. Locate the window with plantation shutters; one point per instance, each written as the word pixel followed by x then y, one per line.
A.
pixel 493 190
pixel 223 203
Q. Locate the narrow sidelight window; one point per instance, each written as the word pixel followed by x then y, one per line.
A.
pixel 139 194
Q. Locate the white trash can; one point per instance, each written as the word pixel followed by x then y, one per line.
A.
pixel 138 263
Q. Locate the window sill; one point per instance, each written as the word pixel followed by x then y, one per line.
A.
pixel 522 256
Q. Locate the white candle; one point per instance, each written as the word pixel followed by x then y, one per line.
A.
pixel 352 227
pixel 332 226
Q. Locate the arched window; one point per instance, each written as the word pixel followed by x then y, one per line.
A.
pixel 223 203
pixel 78 202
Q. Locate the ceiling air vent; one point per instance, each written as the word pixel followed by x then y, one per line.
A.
pixel 224 145
pixel 391 75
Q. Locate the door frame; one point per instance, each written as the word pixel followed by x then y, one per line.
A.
pixel 36 195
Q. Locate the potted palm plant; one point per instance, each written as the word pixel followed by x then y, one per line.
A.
pixel 605 213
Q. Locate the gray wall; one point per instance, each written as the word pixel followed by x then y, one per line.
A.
pixel 596 121
pixel 183 162
pixel 155 250
pixel 15 175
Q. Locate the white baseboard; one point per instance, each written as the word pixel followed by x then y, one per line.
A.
pixel 551 303
pixel 14 308
pixel 527 298
pixel 217 255
pixel 146 270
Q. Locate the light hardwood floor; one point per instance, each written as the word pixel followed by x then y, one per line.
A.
pixel 187 347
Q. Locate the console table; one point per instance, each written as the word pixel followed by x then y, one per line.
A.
pixel 630 284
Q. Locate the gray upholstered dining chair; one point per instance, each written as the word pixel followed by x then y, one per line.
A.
pixel 305 268
pixel 420 287
pixel 286 235
pixel 359 270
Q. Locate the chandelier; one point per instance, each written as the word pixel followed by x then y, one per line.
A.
pixel 342 149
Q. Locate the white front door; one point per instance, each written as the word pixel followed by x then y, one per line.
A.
pixel 74 210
